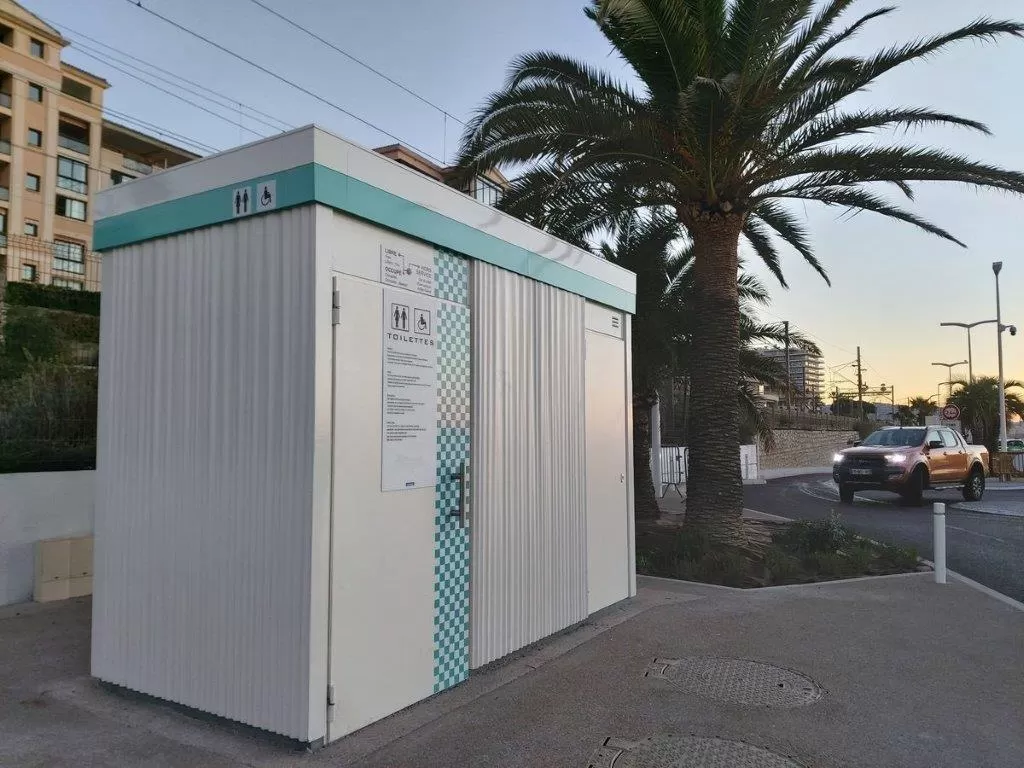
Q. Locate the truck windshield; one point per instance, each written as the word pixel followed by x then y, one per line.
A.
pixel 896 437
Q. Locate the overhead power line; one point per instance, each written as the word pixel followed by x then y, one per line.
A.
pixel 159 130
pixel 291 83
pixel 181 138
pixel 356 60
pixel 232 102
pixel 141 79
pixel 111 62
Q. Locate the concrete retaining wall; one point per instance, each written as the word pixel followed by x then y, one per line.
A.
pixel 803 448
pixel 36 506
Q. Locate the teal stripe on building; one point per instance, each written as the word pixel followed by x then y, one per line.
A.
pixel 314 183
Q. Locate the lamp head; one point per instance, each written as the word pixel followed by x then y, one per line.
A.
pixel 997 267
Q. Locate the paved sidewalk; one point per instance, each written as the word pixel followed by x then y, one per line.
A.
pixel 899 672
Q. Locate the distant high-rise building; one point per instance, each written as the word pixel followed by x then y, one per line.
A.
pixel 56 150
pixel 806 375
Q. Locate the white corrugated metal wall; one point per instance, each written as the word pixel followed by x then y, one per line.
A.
pixel 205 470
pixel 528 559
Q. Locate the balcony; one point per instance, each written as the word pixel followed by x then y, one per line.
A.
pixel 5 100
pixel 137 166
pixel 5 194
pixel 67 142
pixel 5 147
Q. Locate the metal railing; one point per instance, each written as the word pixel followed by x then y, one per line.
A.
pixel 1007 465
pixel 5 100
pixel 136 165
pixel 5 147
pixel 73 144
pixel 673 461
pixel 5 193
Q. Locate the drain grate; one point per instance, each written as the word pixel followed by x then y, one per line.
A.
pixel 686 752
pixel 737 681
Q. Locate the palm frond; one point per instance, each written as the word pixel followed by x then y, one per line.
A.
pixel 861 200
pixel 791 231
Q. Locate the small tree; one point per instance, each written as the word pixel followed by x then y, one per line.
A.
pixel 979 407
pixel 922 408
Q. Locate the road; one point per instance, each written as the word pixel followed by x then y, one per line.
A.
pixel 984 547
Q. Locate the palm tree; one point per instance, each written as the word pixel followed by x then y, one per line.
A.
pixel 922 408
pixel 740 110
pixel 979 407
pixel 664 326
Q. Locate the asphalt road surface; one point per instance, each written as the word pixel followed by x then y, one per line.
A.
pixel 984 547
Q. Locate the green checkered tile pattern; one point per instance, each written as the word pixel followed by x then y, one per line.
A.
pixel 453 366
pixel 451 540
pixel 451 277
pixel 451 565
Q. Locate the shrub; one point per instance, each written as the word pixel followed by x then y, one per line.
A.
pixel 48 419
pixel 809 537
pixel 35 295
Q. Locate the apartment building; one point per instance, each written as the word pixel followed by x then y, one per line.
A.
pixel 56 149
pixel 806 376
pixel 485 188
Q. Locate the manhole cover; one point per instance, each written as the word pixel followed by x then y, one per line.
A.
pixel 686 752
pixel 738 681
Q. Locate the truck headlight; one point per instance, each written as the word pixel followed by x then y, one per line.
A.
pixel 896 458
pixel 837 458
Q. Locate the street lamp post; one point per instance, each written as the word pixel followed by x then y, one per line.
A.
pixel 997 267
pixel 970 356
pixel 949 367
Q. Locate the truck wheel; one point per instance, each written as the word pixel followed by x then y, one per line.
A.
pixel 974 488
pixel 913 494
pixel 845 493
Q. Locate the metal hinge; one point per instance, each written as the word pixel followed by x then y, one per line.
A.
pixel 335 307
pixel 330 695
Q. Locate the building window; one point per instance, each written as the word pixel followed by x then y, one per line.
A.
pixel 31 182
pixel 31 229
pixel 117 177
pixel 35 92
pixel 70 208
pixel 71 285
pixel 28 273
pixel 486 191
pixel 6 35
pixel 76 89
pixel 69 257
pixel 36 48
pixel 35 138
pixel 72 175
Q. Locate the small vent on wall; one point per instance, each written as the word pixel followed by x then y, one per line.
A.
pixel 616 322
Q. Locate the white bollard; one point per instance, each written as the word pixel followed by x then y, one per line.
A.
pixel 939 541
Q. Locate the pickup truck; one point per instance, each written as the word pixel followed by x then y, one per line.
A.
pixel 907 460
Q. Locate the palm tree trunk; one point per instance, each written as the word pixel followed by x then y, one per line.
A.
pixel 714 487
pixel 644 497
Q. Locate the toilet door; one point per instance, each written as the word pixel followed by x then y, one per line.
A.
pixel 399 596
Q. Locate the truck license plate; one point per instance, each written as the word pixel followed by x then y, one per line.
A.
pixel 861 472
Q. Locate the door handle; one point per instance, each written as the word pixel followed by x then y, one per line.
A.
pixel 460 510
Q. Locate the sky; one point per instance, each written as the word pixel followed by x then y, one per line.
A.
pixel 891 284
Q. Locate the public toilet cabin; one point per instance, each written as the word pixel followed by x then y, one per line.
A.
pixel 358 435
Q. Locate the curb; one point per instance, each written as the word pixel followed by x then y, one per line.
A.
pixel 778 474
pixel 958 506
pixel 980 587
